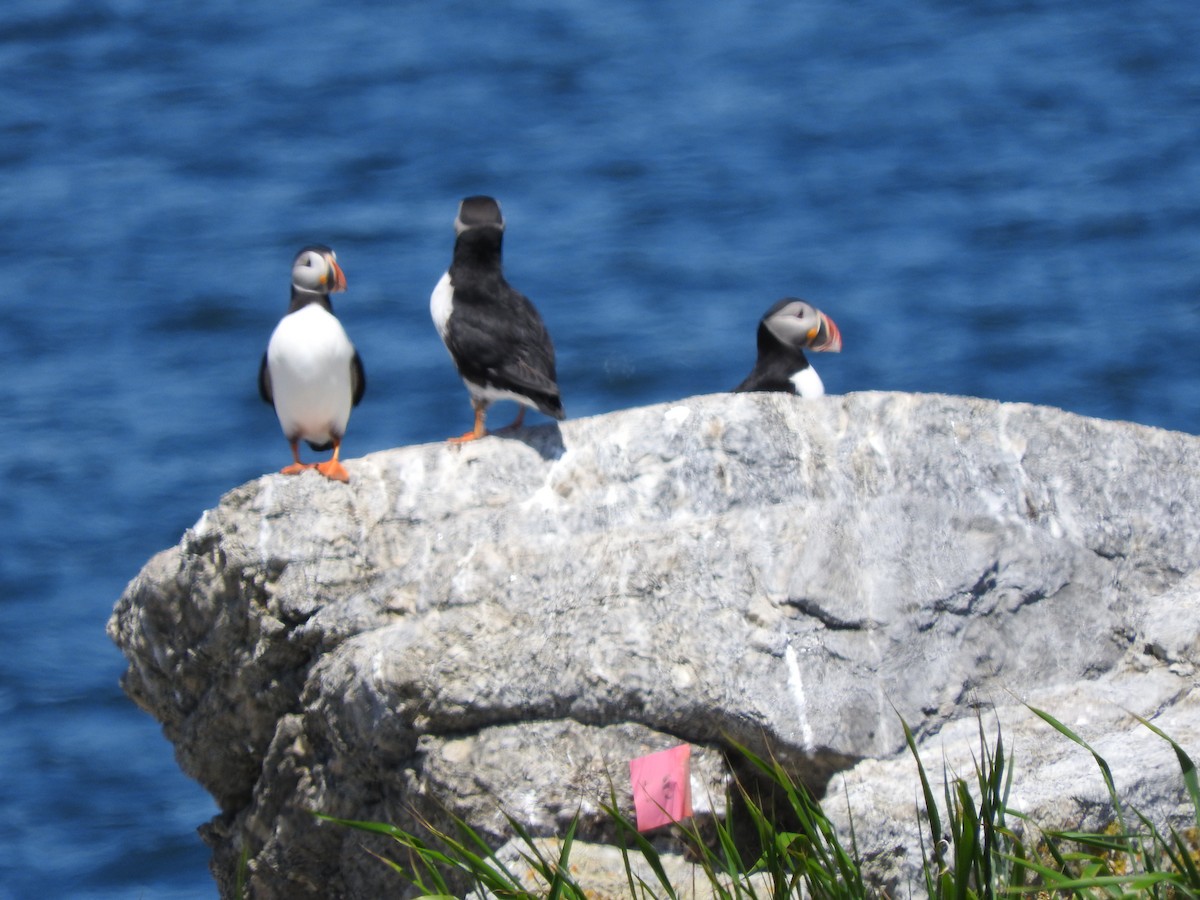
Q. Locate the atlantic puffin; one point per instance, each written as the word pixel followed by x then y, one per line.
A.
pixel 787 328
pixel 494 334
pixel 311 373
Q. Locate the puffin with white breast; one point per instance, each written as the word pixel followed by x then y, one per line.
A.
pixel 494 334
pixel 785 331
pixel 311 373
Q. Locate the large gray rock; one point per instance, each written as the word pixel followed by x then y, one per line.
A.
pixel 502 626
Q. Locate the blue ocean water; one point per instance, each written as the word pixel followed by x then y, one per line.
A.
pixel 995 198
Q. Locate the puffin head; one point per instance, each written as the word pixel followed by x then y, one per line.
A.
pixel 478 212
pixel 316 270
pixel 801 325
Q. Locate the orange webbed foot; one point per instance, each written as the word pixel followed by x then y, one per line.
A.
pixel 480 429
pixel 296 468
pixel 333 470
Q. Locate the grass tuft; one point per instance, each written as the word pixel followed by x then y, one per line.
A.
pixel 973 845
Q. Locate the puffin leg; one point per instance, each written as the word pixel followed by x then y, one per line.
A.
pixel 332 468
pixel 479 430
pixel 297 467
pixel 517 422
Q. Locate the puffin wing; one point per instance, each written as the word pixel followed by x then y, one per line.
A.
pixel 264 382
pixel 358 379
pixel 527 377
pixel 508 347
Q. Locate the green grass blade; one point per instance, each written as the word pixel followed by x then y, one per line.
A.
pixel 1186 766
pixel 1109 783
pixel 730 859
pixel 1102 843
pixel 644 848
pixel 1136 883
pixel 239 883
pixel 825 861
pixel 966 846
pixel 1183 861
pixel 427 856
pixel 624 827
pixel 562 882
pixel 555 872
pixel 374 827
pixel 931 807
pixel 481 860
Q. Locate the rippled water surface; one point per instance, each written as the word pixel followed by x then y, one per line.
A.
pixel 998 199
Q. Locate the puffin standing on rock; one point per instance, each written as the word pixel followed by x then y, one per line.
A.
pixel 494 334
pixel 788 327
pixel 311 373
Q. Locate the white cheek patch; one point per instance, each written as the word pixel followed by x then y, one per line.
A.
pixel 791 331
pixel 808 383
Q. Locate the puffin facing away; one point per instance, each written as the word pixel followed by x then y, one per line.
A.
pixel 311 373
pixel 494 334
pixel 787 327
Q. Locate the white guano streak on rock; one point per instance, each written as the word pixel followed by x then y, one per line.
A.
pixel 677 415
pixel 465 576
pixel 796 684
pixel 547 498
pixel 201 527
pixel 886 712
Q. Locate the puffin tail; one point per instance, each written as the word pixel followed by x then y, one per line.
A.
pixel 328 445
pixel 551 405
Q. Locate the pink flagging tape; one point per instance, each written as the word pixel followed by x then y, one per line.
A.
pixel 662 787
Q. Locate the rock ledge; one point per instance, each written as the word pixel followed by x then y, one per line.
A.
pixel 503 626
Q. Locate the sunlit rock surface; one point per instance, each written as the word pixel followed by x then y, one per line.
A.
pixel 500 627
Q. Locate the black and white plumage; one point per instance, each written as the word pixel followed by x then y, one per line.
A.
pixel 785 331
pixel 311 373
pixel 494 334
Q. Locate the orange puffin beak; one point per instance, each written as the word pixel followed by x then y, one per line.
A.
pixel 339 277
pixel 826 336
